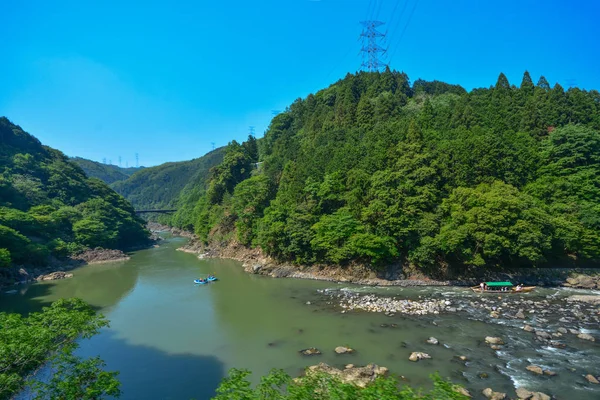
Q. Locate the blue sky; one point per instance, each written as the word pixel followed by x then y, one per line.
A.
pixel 165 79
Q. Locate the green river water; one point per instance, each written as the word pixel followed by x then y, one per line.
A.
pixel 171 339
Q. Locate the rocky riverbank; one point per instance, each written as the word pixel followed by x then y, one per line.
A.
pixel 56 269
pixel 254 261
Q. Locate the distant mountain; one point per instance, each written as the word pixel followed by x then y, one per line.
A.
pixel 105 172
pixel 160 186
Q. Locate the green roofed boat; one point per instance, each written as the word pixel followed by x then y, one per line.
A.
pixel 501 287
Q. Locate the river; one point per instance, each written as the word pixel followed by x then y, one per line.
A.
pixel 171 339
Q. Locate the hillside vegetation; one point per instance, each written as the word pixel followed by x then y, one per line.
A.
pixel 48 207
pixel 160 187
pixel 375 170
pixel 107 173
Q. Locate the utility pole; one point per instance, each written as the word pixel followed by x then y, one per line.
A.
pixel 104 160
pixel 137 160
pixel 119 161
pixel 370 46
pixel 213 145
pixel 251 130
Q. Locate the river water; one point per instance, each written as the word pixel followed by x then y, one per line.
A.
pixel 171 339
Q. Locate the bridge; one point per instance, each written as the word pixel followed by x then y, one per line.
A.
pixel 155 211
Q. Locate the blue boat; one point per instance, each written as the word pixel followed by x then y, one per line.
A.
pixel 200 281
pixel 211 278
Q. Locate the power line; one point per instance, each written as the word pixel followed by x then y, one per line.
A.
pixel 404 30
pixel 395 29
pixel 379 9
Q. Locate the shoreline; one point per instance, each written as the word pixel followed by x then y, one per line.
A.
pixel 255 262
pixel 58 269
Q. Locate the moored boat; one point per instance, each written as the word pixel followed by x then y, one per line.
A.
pixel 501 287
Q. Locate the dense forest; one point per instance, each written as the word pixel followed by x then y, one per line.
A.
pixel 374 170
pixel 161 186
pixel 107 173
pixel 48 207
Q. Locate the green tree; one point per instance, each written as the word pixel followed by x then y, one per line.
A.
pixel 50 337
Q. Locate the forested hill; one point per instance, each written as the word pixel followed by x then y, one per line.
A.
pixel 377 171
pixel 105 172
pixel 160 186
pixel 48 207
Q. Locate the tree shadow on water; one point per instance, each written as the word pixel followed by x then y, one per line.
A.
pixel 149 373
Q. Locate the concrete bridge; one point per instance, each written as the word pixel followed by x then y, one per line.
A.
pixel 155 211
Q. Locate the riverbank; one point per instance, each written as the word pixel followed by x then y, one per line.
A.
pixel 254 261
pixel 58 269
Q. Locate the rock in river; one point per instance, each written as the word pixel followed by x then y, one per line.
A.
pixel 586 336
pixel 592 379
pixel 359 376
pixel 535 369
pixel 433 340
pixel 417 355
pixel 490 394
pixel 343 350
pixel 311 351
pixel 54 276
pixel 494 340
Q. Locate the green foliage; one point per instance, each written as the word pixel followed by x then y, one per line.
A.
pixel 277 385
pixel 5 259
pixel 372 170
pixel 50 336
pixel 49 207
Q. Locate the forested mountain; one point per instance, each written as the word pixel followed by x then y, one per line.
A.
pixel 160 186
pixel 105 172
pixel 376 170
pixel 49 207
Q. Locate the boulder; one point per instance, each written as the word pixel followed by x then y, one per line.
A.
pixel 343 350
pixel 311 351
pixel 520 314
pixel 433 340
pixel 562 330
pixel 543 335
pixel 490 394
pixel 359 376
pixel 461 390
pixel 494 340
pixel 547 372
pixel 524 394
pixel 592 379
pixel 535 369
pixel 589 299
pixel 417 355
pixel 463 358
pixel 586 336
pixel 528 328
pixel 54 276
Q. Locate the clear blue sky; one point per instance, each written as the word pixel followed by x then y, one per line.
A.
pixel 166 78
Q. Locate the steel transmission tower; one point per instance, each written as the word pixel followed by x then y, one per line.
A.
pixel 137 160
pixel 370 46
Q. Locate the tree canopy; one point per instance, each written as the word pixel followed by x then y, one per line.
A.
pixel 49 207
pixel 375 170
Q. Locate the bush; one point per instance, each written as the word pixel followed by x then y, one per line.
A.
pixel 5 259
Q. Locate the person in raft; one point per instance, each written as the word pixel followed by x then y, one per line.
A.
pixel 482 286
pixel 519 287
